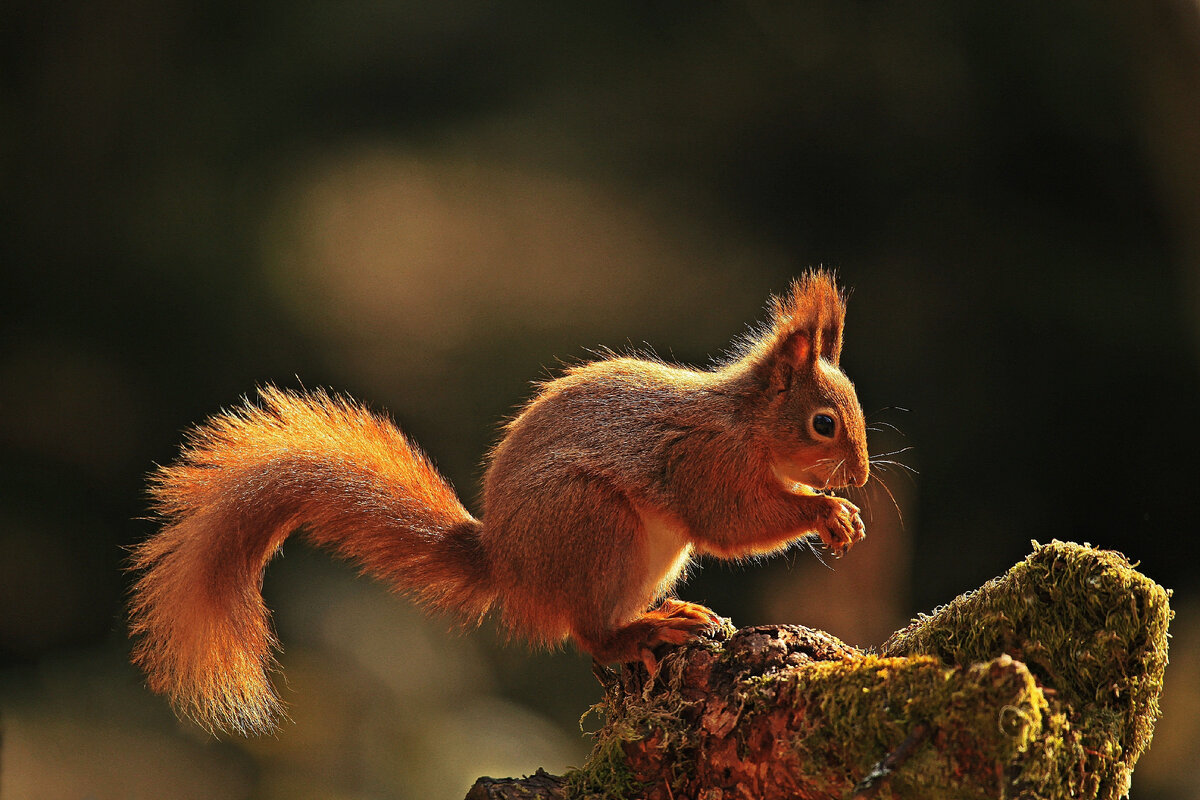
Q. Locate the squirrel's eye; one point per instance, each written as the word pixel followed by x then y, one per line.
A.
pixel 824 425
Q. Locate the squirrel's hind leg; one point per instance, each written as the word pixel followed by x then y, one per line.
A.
pixel 674 622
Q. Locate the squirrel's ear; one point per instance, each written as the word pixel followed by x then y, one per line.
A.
pixel 806 324
pixel 791 353
pixel 799 349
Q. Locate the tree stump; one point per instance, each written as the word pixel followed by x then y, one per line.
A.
pixel 1043 683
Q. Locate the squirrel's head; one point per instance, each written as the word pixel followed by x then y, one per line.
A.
pixel 813 420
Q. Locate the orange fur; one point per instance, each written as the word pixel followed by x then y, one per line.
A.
pixel 594 501
pixel 245 481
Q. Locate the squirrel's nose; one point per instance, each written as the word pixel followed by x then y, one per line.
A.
pixel 861 474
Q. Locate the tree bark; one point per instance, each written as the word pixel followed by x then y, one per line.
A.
pixel 1043 683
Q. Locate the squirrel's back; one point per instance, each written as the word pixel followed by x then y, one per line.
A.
pixel 607 416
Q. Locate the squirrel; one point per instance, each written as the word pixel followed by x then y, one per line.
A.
pixel 599 494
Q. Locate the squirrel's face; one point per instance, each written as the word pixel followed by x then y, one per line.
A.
pixel 819 437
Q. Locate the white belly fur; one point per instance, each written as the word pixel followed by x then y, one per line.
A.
pixel 668 550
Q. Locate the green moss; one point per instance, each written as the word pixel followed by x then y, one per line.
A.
pixel 606 775
pixel 655 717
pixel 982 719
pixel 1090 628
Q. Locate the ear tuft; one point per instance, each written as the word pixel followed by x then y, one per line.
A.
pixel 815 306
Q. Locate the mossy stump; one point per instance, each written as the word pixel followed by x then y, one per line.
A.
pixel 1043 683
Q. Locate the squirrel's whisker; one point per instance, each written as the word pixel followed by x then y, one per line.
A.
pixel 895 503
pixel 886 464
pixel 889 408
pixel 892 453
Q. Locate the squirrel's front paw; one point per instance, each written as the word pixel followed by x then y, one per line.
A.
pixel 841 526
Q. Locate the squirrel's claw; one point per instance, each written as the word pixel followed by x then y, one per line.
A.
pixel 649 661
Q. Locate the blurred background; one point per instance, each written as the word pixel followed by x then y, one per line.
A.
pixel 431 205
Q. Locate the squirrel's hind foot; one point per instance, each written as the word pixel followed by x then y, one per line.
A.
pixel 674 622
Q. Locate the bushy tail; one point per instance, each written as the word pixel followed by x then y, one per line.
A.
pixel 244 482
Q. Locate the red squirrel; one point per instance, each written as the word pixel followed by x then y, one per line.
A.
pixel 600 492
